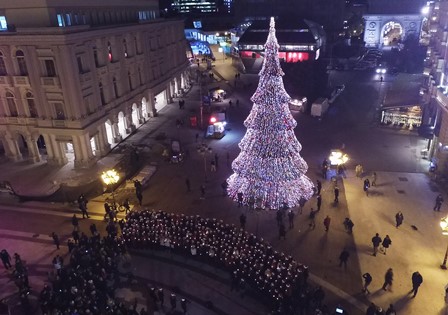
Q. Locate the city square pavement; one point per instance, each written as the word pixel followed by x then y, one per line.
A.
pixel 401 186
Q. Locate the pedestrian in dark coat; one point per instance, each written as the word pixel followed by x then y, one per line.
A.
pixel 367 280
pixel 282 232
pixel 417 280
pixel 70 245
pixel 319 186
pixel 139 196
pixel 161 296
pixel 312 219
pixel 319 202
pixel 366 186
pixel 243 221
pixel 336 194
pixel 183 304
pixel 279 217
pixel 376 241
pixel 291 218
pixel 55 239
pixel 75 235
pixel 327 222
pixel 388 278
pixel 173 301
pixel 75 223
pixel 83 208
pixel 386 243
pixel 439 201
pixel 343 258
pixel 399 219
pixel 92 228
pixel 6 259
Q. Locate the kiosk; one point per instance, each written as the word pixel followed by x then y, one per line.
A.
pixel 216 126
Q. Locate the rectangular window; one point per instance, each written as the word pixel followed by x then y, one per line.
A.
pixel 68 19
pixel 3 24
pixel 50 68
pixel 80 67
pixel 61 21
pixel 59 109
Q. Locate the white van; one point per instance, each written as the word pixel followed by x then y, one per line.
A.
pixel 319 107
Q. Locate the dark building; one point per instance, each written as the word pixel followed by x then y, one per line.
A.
pixel 300 40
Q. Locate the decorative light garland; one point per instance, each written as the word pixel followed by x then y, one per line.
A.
pixel 269 168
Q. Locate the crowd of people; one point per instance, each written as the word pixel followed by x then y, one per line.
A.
pixel 248 258
pixel 86 285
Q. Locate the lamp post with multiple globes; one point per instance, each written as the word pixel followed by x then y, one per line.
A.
pixel 110 178
pixel 204 150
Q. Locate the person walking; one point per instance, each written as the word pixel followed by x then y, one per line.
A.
pixel 139 196
pixel 366 186
pixel 336 194
pixel 319 202
pixel 202 191
pixel 83 208
pixel 343 257
pixel 279 217
pixel 439 201
pixel 376 241
pixel 318 186
pixel 348 224
pixel 93 229
pixel 291 218
pixel 161 296
pixel 75 223
pixel 183 305
pixel 6 259
pixel 367 281
pixel 282 232
pixel 55 239
pixel 243 221
pixel 391 310
pixel 399 219
pixel 187 183
pixel 417 280
pixel 312 217
pixel 327 222
pixel 212 166
pixel 388 278
pixel 216 159
pixel 374 177
pixel 386 243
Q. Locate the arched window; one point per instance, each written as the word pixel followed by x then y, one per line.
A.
pixel 10 100
pixel 114 82
pixel 130 80
pixel 31 104
pixel 2 65
pixel 125 48
pixel 21 63
pixel 103 99
pixel 109 51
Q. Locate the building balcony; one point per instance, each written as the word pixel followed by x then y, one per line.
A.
pixel 21 81
pixel 50 82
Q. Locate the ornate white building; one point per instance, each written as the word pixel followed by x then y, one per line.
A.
pixel 78 76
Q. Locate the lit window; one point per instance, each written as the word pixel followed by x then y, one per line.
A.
pixel 109 50
pixel 60 20
pixel 3 24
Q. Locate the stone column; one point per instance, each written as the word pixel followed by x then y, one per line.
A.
pixel 103 146
pixel 116 133
pixel 33 149
pixel 12 148
pixel 151 106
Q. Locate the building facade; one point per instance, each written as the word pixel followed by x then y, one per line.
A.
pixel 76 80
pixel 437 83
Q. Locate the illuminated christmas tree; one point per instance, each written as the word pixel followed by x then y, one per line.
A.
pixel 269 170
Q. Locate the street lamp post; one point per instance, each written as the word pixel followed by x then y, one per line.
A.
pixel 110 178
pixel 204 149
pixel 444 226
